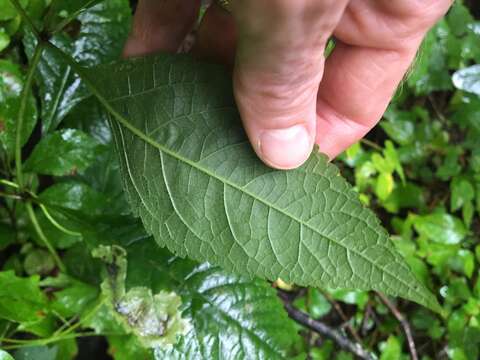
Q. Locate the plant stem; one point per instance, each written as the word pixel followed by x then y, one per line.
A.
pixel 9 183
pixel 41 235
pixel 55 223
pixel 403 322
pixel 71 17
pixel 322 329
pixel 21 112
pixel 26 18
pixel 371 144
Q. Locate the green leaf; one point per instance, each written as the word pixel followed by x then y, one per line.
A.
pixel 21 299
pixel 74 298
pixel 230 314
pixel 200 190
pixel 5 356
pixel 4 39
pixel 38 261
pixel 8 10
pixel 384 185
pixel 399 126
pixel 100 39
pixel 468 79
pixel 76 195
pixel 462 192
pixel 127 348
pixel 37 353
pixel 63 152
pixel 441 228
pixel 11 84
pixel 392 349
pixel 7 236
pixel 404 196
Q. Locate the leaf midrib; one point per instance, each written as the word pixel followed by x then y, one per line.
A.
pixel 194 165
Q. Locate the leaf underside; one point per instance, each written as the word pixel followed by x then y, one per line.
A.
pixel 200 190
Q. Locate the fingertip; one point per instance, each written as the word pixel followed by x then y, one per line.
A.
pixel 286 148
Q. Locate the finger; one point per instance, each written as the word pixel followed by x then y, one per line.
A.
pixel 278 68
pixel 160 25
pixel 216 36
pixel 366 67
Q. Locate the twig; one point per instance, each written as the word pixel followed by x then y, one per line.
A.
pixel 371 144
pixel 405 325
pixel 22 110
pixel 436 109
pixel 346 321
pixel 325 330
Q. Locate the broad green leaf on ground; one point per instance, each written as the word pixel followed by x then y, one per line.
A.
pixel 232 316
pixel 100 39
pixel 200 190
pixel 441 228
pixel 21 299
pixel 5 356
pixel 63 152
pixel 11 84
pixel 468 79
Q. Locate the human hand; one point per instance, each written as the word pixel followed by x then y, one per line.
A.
pixel 288 96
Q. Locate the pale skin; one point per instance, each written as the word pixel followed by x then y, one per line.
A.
pixel 289 96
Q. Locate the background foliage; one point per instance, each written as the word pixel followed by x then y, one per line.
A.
pixel 419 169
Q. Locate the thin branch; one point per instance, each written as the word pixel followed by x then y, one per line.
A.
pixel 25 17
pixel 55 222
pixel 59 27
pixel 322 329
pixel 41 235
pixel 371 144
pixel 22 110
pixel 436 109
pixel 346 321
pixel 405 325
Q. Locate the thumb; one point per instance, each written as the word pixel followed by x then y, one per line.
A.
pixel 278 68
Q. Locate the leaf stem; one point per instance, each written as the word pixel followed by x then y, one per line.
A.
pixel 55 223
pixel 9 183
pixel 26 18
pixel 71 17
pixel 371 144
pixel 21 111
pixel 41 235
